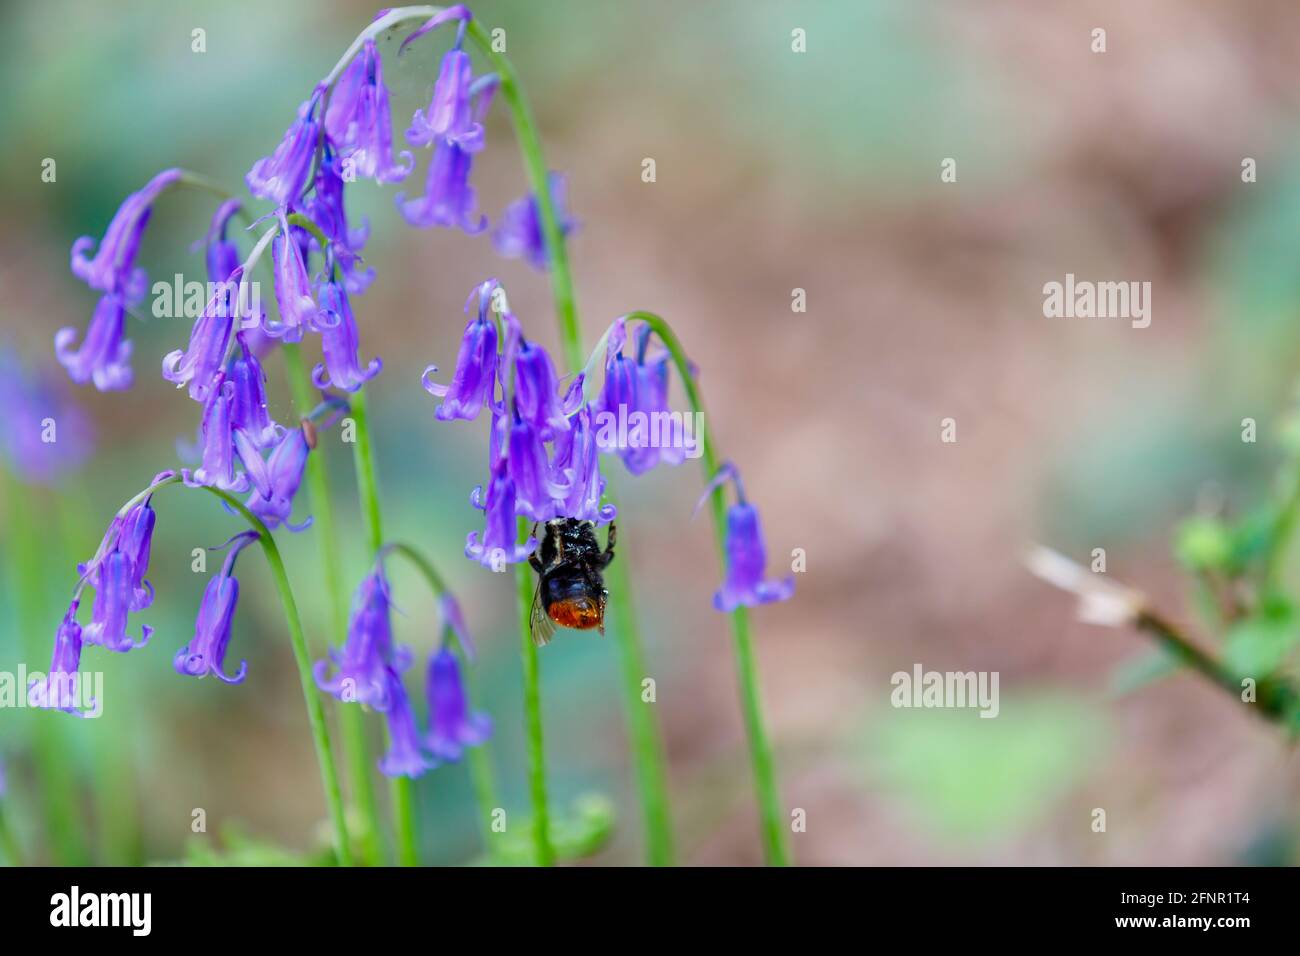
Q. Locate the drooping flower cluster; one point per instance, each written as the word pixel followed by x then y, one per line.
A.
pixel 634 418
pixel 452 125
pixel 545 441
pixel 519 386
pixel 117 573
pixel 355 141
pixel 105 353
pixel 368 670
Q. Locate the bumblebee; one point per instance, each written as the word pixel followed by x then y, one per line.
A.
pixel 570 589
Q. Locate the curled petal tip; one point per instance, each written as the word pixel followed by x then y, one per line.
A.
pixel 458 12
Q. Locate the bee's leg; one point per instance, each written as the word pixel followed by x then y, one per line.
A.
pixel 608 555
pixel 532 558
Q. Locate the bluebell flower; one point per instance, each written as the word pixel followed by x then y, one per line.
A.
pixel 368 654
pixel 117 574
pixel 281 176
pixel 221 255
pixel 226 272
pixel 476 364
pixel 360 123
pixel 135 540
pixel 58 689
pixel 209 340
pixel 519 230
pixel 218 442
pixel 342 366
pixel 248 413
pixel 31 402
pixel 576 466
pixel 206 653
pixel 497 546
pixel 655 434
pixel 448 199
pixel 105 354
pixel 537 390
pixel 746 553
pixel 114 597
pixel 404 757
pixel 452 727
pixel 459 105
pixel 113 269
pixel 285 467
pixel 530 472
pixel 326 208
pixel 298 310
pixel 619 391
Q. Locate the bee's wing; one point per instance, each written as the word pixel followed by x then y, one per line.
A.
pixel 540 624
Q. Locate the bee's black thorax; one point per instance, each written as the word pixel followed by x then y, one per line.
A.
pixel 568 541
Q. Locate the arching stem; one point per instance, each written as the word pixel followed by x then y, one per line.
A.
pixel 298 642
pixel 771 814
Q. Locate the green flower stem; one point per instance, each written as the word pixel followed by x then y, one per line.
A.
pixel 1276 699
pixel 56 781
pixel 543 850
pixel 647 743
pixel 363 453
pixel 351 720
pixel 772 817
pixel 401 789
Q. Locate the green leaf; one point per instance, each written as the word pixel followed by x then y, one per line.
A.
pixel 1257 646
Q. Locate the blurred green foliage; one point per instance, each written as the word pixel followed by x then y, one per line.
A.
pixel 964 777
